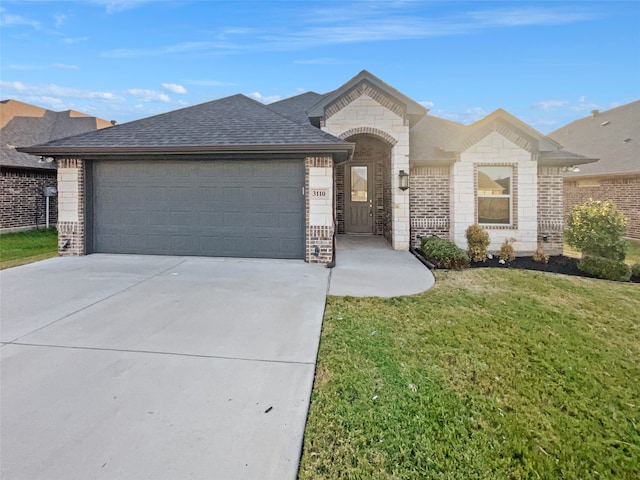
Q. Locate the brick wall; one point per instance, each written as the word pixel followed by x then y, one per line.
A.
pixel 22 200
pixel 429 198
pixel 550 217
pixel 623 190
pixel 71 228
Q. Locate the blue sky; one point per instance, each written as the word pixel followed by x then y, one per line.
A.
pixel 547 63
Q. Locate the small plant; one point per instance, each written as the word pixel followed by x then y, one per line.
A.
pixel 635 271
pixel 605 268
pixel 444 253
pixel 540 255
pixel 507 252
pixel 596 228
pixel 477 242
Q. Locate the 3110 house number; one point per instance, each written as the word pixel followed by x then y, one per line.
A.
pixel 319 193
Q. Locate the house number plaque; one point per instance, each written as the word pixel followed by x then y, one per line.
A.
pixel 319 193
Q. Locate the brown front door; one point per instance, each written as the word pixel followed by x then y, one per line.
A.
pixel 359 199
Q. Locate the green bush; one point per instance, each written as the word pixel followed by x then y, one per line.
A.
pixel 605 268
pixel 443 253
pixel 596 228
pixel 635 270
pixel 477 241
pixel 506 250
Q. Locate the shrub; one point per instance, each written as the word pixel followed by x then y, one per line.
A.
pixel 605 268
pixel 635 271
pixel 539 255
pixel 506 250
pixel 477 241
pixel 596 228
pixel 443 253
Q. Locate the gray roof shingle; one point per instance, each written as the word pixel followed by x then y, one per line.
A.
pixel 613 136
pixel 234 121
pixel 23 124
pixel 295 108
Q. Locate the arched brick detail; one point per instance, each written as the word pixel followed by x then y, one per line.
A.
pixel 382 135
pixel 364 88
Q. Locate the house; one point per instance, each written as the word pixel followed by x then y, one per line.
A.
pixel 23 177
pixel 234 177
pixel 613 136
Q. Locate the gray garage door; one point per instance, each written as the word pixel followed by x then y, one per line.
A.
pixel 241 208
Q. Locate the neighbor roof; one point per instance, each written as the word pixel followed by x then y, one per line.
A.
pixel 613 136
pixel 22 124
pixel 231 124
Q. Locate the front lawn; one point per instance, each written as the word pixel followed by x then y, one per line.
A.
pixel 501 374
pixel 26 247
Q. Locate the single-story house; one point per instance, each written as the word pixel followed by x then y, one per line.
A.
pixel 23 177
pixel 234 177
pixel 613 136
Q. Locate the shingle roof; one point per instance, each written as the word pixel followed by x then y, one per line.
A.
pixel 295 108
pixel 22 124
pixel 225 124
pixel 612 136
pixel 429 135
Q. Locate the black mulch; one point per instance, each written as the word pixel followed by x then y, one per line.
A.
pixel 556 264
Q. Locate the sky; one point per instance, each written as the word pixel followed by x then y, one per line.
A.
pixel 548 63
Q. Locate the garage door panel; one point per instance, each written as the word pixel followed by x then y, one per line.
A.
pixel 209 208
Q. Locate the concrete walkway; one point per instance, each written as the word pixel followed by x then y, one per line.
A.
pixel 367 266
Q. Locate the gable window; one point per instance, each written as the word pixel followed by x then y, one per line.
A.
pixel 494 195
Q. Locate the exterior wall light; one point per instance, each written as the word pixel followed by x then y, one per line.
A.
pixel 403 180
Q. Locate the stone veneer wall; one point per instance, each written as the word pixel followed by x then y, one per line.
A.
pixel 623 190
pixel 319 211
pixel 71 227
pixel 496 149
pixel 550 221
pixel 430 202
pixel 364 110
pixel 22 200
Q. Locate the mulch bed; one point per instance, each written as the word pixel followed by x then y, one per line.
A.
pixel 556 264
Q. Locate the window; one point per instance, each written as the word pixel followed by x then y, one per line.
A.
pixel 494 195
pixel 359 187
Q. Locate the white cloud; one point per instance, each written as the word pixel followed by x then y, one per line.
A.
pixel 550 105
pixel 11 20
pixel 65 66
pixel 60 19
pixel 56 91
pixel 427 104
pixel 148 95
pixel 265 99
pixel 174 88
pixel 71 41
pixel 115 6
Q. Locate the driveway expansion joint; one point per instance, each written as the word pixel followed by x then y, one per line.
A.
pixel 155 352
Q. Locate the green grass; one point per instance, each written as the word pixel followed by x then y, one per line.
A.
pixel 500 374
pixel 633 254
pixel 26 247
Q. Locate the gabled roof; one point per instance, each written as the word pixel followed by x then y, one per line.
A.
pixel 549 151
pixel 412 109
pixel 613 136
pixel 295 108
pixel 427 137
pixel 22 124
pixel 231 124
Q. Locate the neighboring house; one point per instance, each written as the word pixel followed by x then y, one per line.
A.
pixel 23 177
pixel 234 177
pixel 612 136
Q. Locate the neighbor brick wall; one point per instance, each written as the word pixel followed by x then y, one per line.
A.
pixel 319 225
pixel 550 216
pixel 623 190
pixel 71 228
pixel 22 200
pixel 430 199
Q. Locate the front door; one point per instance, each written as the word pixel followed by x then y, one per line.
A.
pixel 359 199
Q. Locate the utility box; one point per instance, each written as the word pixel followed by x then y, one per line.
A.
pixel 50 191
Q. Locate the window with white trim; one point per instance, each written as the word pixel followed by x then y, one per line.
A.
pixel 494 187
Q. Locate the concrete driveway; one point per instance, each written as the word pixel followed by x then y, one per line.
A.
pixel 157 367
